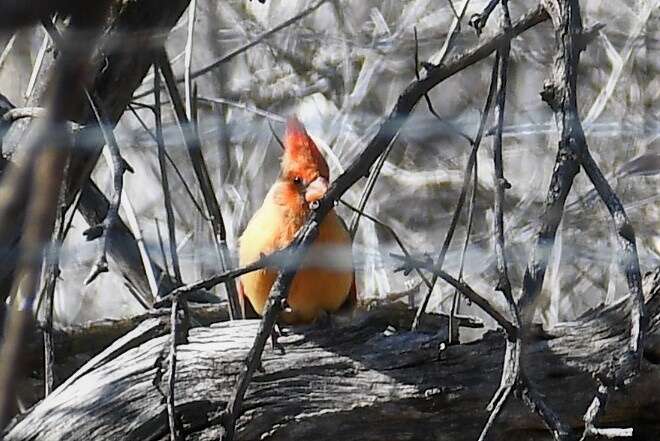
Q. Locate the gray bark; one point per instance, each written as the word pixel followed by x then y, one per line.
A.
pixel 364 378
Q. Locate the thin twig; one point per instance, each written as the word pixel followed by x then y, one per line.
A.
pixel 7 49
pixel 454 30
pixel 134 225
pixel 410 263
pixel 163 254
pixel 478 21
pixel 231 55
pixel 171 378
pixel 560 431
pixel 118 169
pixel 496 410
pixel 274 260
pixel 368 188
pixel 173 164
pixel 193 145
pixel 456 300
pixel 511 369
pixel 167 197
pixel 429 104
pixel 192 9
pixel 245 107
pixel 38 62
pixel 466 183
pixel 52 271
pixel 453 8
pixel 593 413
pixel 393 233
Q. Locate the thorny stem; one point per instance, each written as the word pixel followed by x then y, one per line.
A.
pixel 511 369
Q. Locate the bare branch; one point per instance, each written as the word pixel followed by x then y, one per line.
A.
pixel 231 55
pixel 193 145
pixel 304 238
pixel 469 169
pixel 44 170
pixel 164 180
pixel 410 263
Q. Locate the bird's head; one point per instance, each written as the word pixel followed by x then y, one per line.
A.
pixel 305 174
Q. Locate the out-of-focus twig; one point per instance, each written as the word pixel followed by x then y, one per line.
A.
pixel 36 68
pixel 43 167
pixel 192 10
pixel 7 49
pixel 231 55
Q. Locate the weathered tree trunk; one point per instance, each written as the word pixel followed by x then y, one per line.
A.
pixel 367 378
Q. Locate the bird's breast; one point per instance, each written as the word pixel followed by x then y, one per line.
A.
pixel 326 274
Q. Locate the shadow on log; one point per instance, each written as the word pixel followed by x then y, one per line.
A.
pixel 365 378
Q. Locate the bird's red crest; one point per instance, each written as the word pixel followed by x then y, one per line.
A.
pixel 301 155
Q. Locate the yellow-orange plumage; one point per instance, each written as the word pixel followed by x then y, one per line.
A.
pixel 327 281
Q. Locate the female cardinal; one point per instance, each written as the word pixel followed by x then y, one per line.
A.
pixel 326 281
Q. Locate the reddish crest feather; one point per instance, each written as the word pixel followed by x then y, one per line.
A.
pixel 301 156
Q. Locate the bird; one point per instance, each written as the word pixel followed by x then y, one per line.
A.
pixel 326 283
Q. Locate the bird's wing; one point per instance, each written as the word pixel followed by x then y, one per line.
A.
pixel 247 311
pixel 351 300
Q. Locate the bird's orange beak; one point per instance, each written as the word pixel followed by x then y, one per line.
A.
pixel 316 189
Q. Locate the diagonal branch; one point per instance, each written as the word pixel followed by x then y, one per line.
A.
pixel 388 130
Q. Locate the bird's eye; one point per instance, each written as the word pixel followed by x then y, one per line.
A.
pixel 297 180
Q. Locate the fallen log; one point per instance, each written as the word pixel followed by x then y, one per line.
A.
pixel 366 378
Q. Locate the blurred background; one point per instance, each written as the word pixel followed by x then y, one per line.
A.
pixel 341 69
